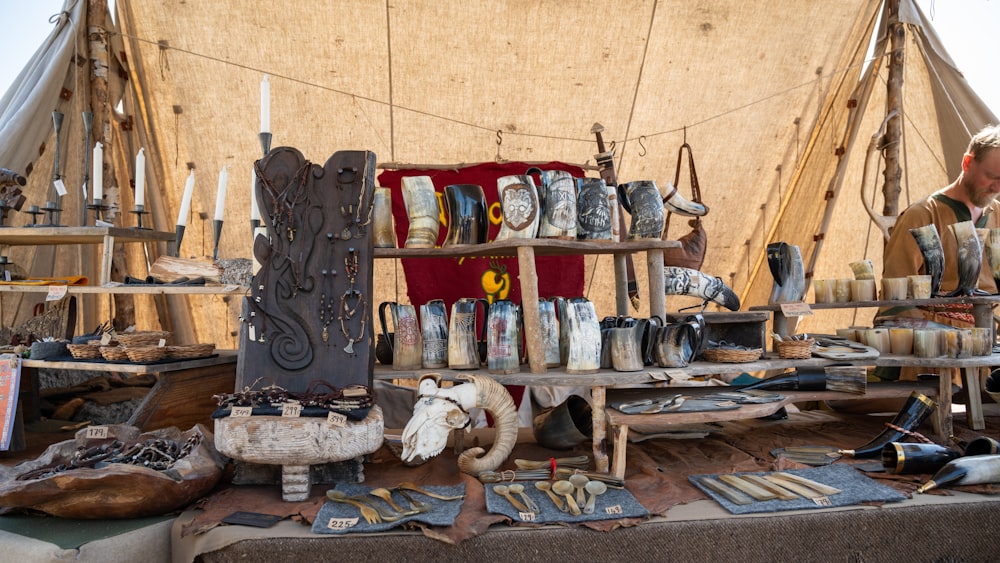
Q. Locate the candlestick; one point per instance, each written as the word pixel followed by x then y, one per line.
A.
pixel 98 174
pixel 140 179
pixel 186 201
pixel 265 105
pixel 220 198
pixel 254 210
pixel 217 231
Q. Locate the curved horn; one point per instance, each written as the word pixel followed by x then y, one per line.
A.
pixel 685 281
pixel 494 399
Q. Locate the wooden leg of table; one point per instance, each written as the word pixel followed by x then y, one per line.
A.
pixel 598 398
pixel 621 443
pixel 974 399
pixel 942 414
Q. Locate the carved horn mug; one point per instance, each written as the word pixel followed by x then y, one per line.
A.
pixel 548 323
pixel 593 219
pixel 564 426
pixel 434 330
pixel 503 337
pixel 407 350
pixel 626 344
pixel 422 210
pixel 384 237
pixel 557 196
pixel 584 337
pixel 642 200
pixel 463 346
pixel 562 315
pixel 677 344
pixel 467 220
pixel 519 205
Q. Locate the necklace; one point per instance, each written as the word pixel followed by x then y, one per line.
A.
pixel 347 312
pixel 351 212
pixel 283 201
pixel 326 305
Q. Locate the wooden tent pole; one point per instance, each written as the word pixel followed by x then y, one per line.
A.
pixel 894 108
pixel 98 44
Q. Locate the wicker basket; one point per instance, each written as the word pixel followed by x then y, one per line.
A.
pixel 146 353
pixel 84 351
pixel 114 353
pixel 111 342
pixel 732 355
pixel 794 349
pixel 190 351
pixel 143 338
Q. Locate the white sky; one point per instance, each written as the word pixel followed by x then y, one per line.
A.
pixel 967 28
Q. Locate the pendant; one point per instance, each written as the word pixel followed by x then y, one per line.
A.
pixel 350 347
pixel 326 335
pixel 291 234
pixel 346 233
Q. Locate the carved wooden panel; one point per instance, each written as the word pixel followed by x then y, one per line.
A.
pixel 309 313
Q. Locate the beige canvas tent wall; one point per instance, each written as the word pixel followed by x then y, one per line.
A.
pixel 774 101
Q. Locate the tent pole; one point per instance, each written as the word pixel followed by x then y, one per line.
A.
pixel 894 108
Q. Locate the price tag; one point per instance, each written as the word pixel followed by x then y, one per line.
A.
pixel 526 516
pixel 60 187
pixel 336 419
pixel 341 523
pixel 616 509
pixel 796 309
pixel 822 501
pixel 241 412
pixel 100 223
pixel 56 292
pixel 291 410
pixel 96 432
pixel 162 342
pixel 105 339
pixel 677 374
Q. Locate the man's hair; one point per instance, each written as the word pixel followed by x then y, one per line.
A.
pixel 988 138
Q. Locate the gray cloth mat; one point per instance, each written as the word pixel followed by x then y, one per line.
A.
pixel 855 489
pixel 612 505
pixel 443 512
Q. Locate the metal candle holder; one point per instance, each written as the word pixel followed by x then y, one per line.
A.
pixel 51 214
pixel 217 231
pixel 178 237
pixel 139 211
pixel 3 213
pixel 34 212
pixel 265 142
pixel 98 207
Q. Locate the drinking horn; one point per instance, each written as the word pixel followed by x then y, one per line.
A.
pixel 675 203
pixel 909 458
pixel 969 470
pixel 785 262
pixel 915 411
pixel 993 254
pixel 685 281
pixel 929 243
pixel 970 258
pixel 800 379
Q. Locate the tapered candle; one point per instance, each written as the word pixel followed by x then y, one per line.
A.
pixel 220 198
pixel 254 210
pixel 140 179
pixel 265 105
pixel 186 201
pixel 98 174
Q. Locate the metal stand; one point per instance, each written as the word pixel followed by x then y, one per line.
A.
pixel 217 231
pixel 98 207
pixel 139 211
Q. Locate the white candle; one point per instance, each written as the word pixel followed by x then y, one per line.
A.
pixel 140 178
pixel 98 174
pixel 254 210
pixel 265 105
pixel 220 198
pixel 186 200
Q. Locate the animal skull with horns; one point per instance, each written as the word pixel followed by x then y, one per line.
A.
pixel 439 410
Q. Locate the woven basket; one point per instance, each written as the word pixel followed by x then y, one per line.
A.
pixel 143 338
pixel 190 351
pixel 731 355
pixel 146 353
pixel 114 353
pixel 111 342
pixel 795 349
pixel 84 351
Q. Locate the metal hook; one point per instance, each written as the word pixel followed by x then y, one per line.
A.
pixel 499 142
pixel 642 147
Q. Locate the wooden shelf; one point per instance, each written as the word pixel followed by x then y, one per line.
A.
pixel 220 357
pixel 38 236
pixel 130 289
pixel 541 247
